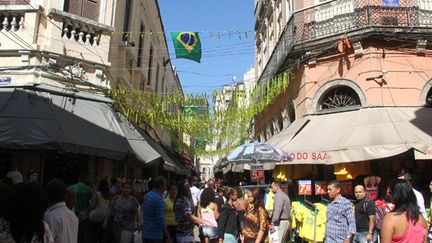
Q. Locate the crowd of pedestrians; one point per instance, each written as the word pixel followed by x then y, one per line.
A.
pixel 181 211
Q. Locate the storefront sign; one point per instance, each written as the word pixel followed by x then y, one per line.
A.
pixel 305 187
pixel 257 173
pixel 320 187
pixel 314 156
pixel 5 80
pixel 346 188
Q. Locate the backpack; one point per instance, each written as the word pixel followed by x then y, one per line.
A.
pixel 379 214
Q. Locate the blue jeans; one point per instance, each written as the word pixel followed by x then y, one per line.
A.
pixel 360 237
pixel 210 232
pixel 229 238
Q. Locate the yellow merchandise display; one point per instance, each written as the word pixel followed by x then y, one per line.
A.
pixel 269 200
pixel 304 221
pixel 285 172
pixel 349 171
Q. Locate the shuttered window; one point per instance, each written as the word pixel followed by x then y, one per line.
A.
pixel 84 8
pixel 140 46
pixel 149 74
pixel 126 20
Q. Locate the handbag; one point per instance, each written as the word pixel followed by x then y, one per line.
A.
pixel 99 213
pixel 137 236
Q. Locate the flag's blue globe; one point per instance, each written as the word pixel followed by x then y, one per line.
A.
pixel 188 39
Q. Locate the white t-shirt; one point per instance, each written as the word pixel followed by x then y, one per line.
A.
pixel 420 203
pixel 62 222
pixel 196 194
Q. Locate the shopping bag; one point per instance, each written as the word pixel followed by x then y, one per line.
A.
pixel 126 236
pixel 137 237
pixel 274 236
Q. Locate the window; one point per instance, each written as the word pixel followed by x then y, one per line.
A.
pixel 126 19
pixel 157 79
pixel 84 8
pixel 291 112
pixel 339 97
pixel 140 46
pixel 150 65
pixel 280 122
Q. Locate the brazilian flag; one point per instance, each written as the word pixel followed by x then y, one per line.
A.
pixel 187 45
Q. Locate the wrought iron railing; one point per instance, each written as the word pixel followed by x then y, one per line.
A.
pixel 335 18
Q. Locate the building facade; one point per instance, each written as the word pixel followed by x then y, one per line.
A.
pixel 345 57
pixel 139 53
pixel 58 59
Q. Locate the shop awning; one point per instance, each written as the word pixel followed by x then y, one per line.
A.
pixel 42 117
pixel 360 135
pixel 169 163
pixel 140 145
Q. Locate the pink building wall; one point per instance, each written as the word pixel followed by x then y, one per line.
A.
pixel 406 76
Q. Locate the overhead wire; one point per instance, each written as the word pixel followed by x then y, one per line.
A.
pixel 216 49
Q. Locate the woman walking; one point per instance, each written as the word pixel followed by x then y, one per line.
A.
pixel 99 206
pixel 184 214
pixel 405 224
pixel 124 210
pixel 228 223
pixel 169 211
pixel 255 220
pixel 240 205
pixel 208 211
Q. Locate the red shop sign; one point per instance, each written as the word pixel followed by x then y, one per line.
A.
pixel 320 187
pixel 257 173
pixel 305 187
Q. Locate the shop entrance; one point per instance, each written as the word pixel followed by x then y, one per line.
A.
pixel 64 166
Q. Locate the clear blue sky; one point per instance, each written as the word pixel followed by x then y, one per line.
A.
pixel 221 58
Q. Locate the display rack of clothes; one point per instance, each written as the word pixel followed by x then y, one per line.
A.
pixel 309 219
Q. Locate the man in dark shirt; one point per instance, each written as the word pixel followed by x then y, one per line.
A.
pixel 364 217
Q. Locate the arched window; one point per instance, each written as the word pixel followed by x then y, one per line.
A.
pixel 339 97
pixel 429 98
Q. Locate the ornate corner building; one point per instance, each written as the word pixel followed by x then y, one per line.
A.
pixel 357 68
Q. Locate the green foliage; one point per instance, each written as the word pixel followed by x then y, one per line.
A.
pixel 191 114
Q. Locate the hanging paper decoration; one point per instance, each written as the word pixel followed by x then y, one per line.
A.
pixel 187 45
pixel 231 126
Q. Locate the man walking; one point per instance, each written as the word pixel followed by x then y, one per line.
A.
pixel 364 217
pixel 281 212
pixel 154 226
pixel 404 175
pixel 340 225
pixel 61 220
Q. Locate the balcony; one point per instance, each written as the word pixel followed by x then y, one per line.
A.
pixel 17 26
pixel 78 37
pixel 310 29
